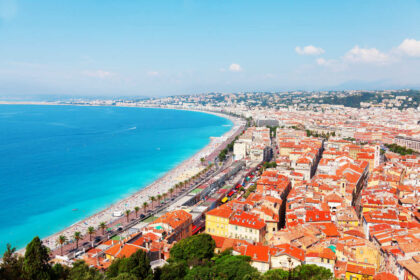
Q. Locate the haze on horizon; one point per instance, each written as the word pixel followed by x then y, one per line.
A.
pixel 155 48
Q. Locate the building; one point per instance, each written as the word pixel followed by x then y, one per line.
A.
pixel 408 142
pixel 217 221
pixel 177 225
pixel 246 226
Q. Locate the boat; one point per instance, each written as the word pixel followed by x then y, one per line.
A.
pixel 75 209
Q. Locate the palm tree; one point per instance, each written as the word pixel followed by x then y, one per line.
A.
pixel 171 190
pixel 153 199
pixel 77 236
pixel 136 209
pixel 61 240
pixel 145 206
pixel 127 214
pixel 102 226
pixel 159 197
pixel 90 231
pixel 165 195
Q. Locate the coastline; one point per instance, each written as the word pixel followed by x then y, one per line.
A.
pixel 178 173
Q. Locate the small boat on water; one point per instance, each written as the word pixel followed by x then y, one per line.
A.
pixel 75 209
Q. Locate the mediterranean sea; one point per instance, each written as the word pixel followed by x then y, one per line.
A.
pixel 56 159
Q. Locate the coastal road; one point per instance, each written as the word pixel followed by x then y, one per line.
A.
pixel 121 225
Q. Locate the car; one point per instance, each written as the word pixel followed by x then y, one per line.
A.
pixel 142 216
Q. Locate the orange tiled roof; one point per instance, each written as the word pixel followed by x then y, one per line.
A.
pixel 122 250
pixel 174 219
pixel 362 270
pixel 248 220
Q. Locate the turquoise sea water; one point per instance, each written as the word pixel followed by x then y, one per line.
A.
pixel 54 159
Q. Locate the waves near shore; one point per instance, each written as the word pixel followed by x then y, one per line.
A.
pixel 52 170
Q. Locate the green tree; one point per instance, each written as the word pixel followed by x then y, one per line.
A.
pixel 152 199
pixel 127 214
pixel 91 231
pixel 225 266
pixel 173 271
pixel 136 209
pixel 60 272
pixel 102 226
pixel 11 265
pixel 137 265
pixel 77 236
pixel 159 197
pixel 145 204
pixel 35 263
pixel 311 272
pixel 195 249
pixel 233 267
pixel 276 274
pixel 61 240
pixel 81 271
pixel 124 276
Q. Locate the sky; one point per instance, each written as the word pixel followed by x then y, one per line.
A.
pixel 161 48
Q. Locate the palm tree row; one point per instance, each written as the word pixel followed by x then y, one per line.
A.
pixel 62 240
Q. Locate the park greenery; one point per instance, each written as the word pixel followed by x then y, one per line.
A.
pixel 327 135
pixel 250 190
pixel 191 258
pixel 273 131
pixel 229 148
pixel 271 164
pixel 399 149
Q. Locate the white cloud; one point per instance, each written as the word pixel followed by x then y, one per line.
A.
pixel 235 67
pixel 153 73
pixel 410 47
pixel 322 61
pixel 360 55
pixel 98 74
pixel 309 50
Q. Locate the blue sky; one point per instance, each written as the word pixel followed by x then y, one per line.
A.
pixel 120 48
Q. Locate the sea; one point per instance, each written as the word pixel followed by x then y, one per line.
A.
pixel 60 164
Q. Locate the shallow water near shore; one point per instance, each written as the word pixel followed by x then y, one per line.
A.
pixel 60 164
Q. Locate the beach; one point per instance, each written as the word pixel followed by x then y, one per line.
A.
pixel 181 172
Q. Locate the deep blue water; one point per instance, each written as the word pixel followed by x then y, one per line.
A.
pixel 57 158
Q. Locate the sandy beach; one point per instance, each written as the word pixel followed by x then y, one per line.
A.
pixel 181 172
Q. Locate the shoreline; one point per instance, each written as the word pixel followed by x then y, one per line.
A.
pixel 181 171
